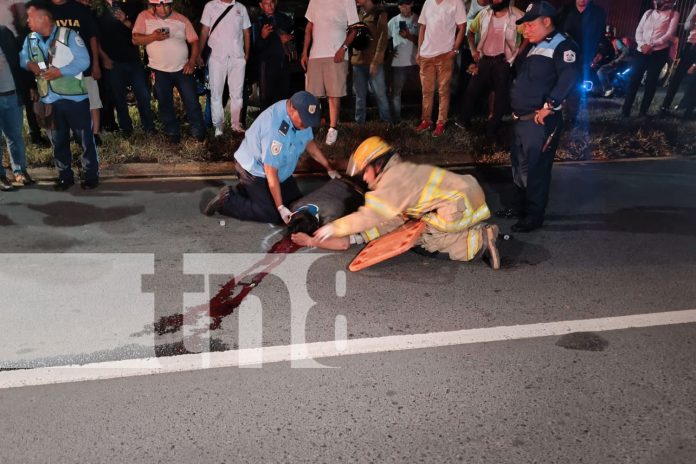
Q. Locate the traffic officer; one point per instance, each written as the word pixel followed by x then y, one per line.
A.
pixel 547 70
pixel 267 158
pixel 57 56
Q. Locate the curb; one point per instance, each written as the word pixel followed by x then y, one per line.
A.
pixel 305 167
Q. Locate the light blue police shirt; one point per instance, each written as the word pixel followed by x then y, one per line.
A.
pixel 273 140
pixel 79 63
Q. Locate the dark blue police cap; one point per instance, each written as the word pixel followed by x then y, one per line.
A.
pixel 308 106
pixel 536 10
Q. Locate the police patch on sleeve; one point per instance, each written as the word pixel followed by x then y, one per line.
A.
pixel 79 41
pixel 569 56
pixel 276 147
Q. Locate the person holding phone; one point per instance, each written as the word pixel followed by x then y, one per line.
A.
pixel 122 64
pixel 403 32
pixel 167 36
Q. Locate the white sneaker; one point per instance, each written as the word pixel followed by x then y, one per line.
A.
pixel 218 132
pixel 237 128
pixel 331 136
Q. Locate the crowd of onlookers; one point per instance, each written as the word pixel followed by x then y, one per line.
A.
pixel 134 50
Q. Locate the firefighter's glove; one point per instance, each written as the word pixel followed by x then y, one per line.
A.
pixel 285 213
pixel 324 232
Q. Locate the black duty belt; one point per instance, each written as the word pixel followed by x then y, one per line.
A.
pixel 5 94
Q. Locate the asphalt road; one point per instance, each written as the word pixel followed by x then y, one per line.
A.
pixel 104 275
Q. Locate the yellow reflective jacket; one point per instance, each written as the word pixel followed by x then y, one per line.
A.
pixel 446 201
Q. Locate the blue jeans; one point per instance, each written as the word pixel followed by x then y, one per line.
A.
pixel 186 85
pixel 11 121
pixel 401 74
pixel 133 73
pixel 361 81
pixel 76 116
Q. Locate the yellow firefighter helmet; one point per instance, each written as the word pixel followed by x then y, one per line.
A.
pixel 368 151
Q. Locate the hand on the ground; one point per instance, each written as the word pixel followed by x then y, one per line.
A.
pixel 324 232
pixel 51 73
pixel 302 239
pixel 333 174
pixel 285 213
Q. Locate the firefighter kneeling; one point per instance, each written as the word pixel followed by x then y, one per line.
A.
pixel 452 206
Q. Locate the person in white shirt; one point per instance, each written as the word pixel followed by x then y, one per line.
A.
pixel 687 59
pixel 499 40
pixel 326 64
pixel 403 31
pixel 229 39
pixel 654 35
pixel 441 33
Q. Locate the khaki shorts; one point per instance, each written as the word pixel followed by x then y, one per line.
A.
pixel 95 102
pixel 326 78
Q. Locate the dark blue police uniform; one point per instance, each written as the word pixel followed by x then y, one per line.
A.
pixel 546 74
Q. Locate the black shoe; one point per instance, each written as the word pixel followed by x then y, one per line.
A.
pixel 89 184
pixel 97 140
pixel 525 226
pixel 40 141
pixel 6 185
pixel 63 184
pixel 509 213
pixel 218 200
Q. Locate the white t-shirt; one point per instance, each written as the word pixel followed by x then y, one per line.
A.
pixel 329 19
pixel 171 54
pixel 440 22
pixel 495 37
pixel 404 48
pixel 228 37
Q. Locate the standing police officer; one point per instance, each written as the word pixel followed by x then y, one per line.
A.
pixel 267 158
pixel 547 70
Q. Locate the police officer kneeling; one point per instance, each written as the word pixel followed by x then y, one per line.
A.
pixel 546 73
pixel 267 158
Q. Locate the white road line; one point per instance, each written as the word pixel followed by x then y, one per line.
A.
pixel 299 352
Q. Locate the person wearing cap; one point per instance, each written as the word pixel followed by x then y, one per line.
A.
pixel 266 160
pixel 452 206
pixel 547 71
pixel 57 56
pixel 172 49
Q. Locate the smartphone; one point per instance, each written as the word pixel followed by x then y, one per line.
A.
pixel 402 26
pixel 164 30
pixel 114 9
